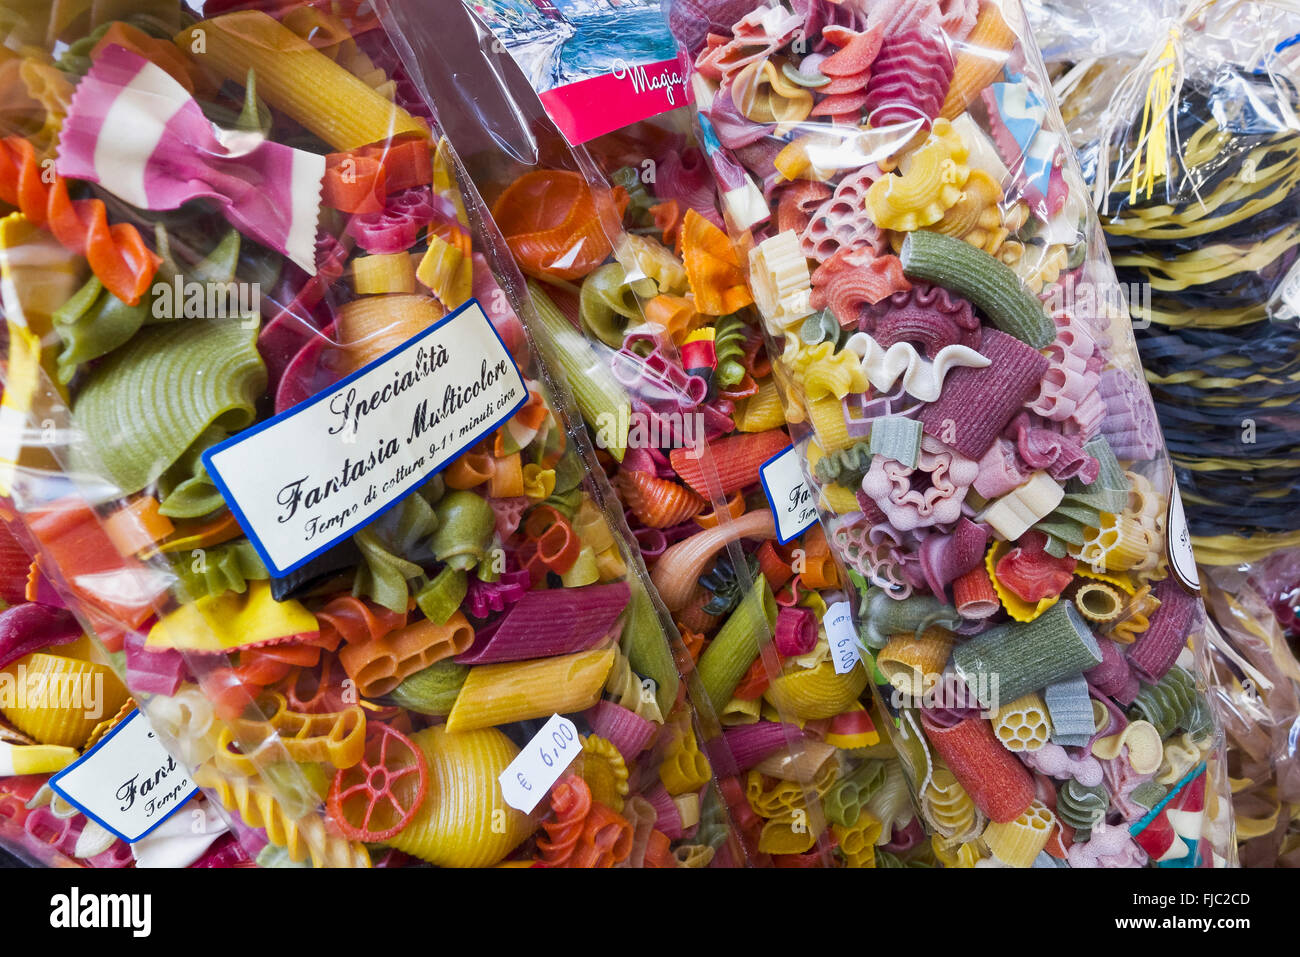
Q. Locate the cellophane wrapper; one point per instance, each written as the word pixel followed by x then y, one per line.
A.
pixel 1256 693
pixel 1188 135
pixel 679 397
pixel 283 221
pixel 908 215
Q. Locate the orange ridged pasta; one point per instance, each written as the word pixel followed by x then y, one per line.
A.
pixel 373 325
pixel 736 459
pixel 973 594
pixel 507 479
pixel 819 567
pixel 117 254
pixel 355 621
pixel 667 218
pixel 380 665
pixel 693 616
pixel 712 268
pixel 735 508
pixel 657 502
pixel 774 567
pixel 551 221
pixel 979 61
pixel 675 315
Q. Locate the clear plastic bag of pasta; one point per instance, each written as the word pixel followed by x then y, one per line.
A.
pixel 908 216
pixel 676 389
pixel 281 441
pixel 1193 151
pixel 59 697
pixel 1255 693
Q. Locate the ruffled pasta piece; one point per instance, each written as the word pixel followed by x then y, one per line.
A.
pixel 604 770
pixel 1099 602
pixel 464 820
pixel 826 374
pixel 232 620
pixel 854 279
pixel 712 269
pixel 976 217
pixel 979 61
pixel 150 400
pixel 117 254
pixel 1068 392
pixel 1023 724
pixel 909 79
pixel 931 182
pixel 931 493
pixel 1172 702
pixel 551 220
pixel 921 378
pixel 303 837
pixel 1016 843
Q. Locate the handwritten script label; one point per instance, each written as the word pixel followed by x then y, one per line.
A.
pixel 314 475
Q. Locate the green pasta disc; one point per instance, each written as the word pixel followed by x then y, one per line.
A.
pixel 150 400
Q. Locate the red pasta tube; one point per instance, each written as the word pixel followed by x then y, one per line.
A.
pixel 994 778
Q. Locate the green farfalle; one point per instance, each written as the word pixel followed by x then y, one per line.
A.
pixel 383 576
pixel 186 490
pixel 466 526
pixel 215 571
pixel 148 402
pixel 608 302
pixel 845 467
pixel 729 335
pixel 844 802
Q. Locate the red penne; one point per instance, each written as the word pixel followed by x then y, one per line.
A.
pixel 737 460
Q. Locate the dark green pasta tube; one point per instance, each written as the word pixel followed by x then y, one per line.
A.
pixel 1014 659
pixel 647 652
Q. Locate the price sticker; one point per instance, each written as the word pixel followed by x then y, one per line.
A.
pixel 539 765
pixel 843 637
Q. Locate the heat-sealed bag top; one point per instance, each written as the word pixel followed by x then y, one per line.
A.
pixel 672 377
pixel 280 439
pixel 911 222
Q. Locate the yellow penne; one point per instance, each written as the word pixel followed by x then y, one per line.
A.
pixel 296 79
pixel 519 690
pixel 827 418
pixel 762 410
pixel 374 275
pixel 979 61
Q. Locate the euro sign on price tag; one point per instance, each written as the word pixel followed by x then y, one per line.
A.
pixel 539 765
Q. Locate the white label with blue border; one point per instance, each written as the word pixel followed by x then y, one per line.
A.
pixel 127 782
pixel 788 495
pixel 314 475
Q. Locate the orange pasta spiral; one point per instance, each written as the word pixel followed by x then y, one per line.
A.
pixel 570 802
pixel 117 254
pixel 354 621
pixel 657 502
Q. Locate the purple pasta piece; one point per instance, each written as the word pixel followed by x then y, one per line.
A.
pixel 153 672
pixel 684 176
pixel 1130 425
pixel 950 702
pixel 651 541
pixel 732 127
pixel 945 558
pixel 626 730
pixel 928 315
pixel 1157 648
pixel 977 404
pixel 1062 456
pixel 395 228
pixel 1114 676
pixel 909 79
pixel 905 838
pixel 559 621
pixel 741 748
pixel 31 627
pixel 667 816
pixel 482 598
pixel 820 14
